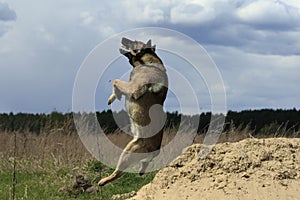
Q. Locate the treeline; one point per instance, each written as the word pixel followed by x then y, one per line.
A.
pixel 265 121
pixel 36 123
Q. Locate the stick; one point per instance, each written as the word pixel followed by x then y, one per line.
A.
pixel 14 179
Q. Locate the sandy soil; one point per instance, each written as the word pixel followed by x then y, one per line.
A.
pixel 249 169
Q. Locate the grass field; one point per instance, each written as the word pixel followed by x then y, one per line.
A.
pixel 47 185
pixel 46 163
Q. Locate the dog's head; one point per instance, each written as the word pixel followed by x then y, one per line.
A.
pixel 135 50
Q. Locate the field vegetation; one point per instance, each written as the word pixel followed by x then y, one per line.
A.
pixel 41 155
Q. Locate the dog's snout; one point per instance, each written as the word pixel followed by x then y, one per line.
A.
pixel 127 43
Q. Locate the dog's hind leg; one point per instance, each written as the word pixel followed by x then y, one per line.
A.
pixel 146 161
pixel 128 156
pixel 116 174
pixel 144 165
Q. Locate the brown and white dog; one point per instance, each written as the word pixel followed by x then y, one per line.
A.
pixel 145 94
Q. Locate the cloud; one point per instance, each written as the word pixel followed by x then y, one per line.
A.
pixel 141 12
pixel 251 25
pixel 266 27
pixel 256 80
pixel 125 14
pixel 269 15
pixel 86 18
pixel 6 15
pixel 191 13
pixel 256 45
pixel 45 35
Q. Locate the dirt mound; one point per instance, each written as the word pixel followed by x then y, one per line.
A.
pixel 79 186
pixel 249 169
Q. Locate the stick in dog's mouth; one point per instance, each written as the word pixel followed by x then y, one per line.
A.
pixel 124 51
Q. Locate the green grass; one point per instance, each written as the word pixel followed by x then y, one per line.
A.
pixel 127 183
pixel 29 186
pixel 46 184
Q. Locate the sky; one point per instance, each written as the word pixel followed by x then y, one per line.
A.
pixel 255 45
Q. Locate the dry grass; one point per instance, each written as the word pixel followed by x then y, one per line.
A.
pixel 65 149
pixel 61 150
pixel 47 162
pixel 53 152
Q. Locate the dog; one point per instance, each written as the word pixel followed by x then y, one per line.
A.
pixel 145 95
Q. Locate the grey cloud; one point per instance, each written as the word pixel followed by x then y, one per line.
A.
pixel 44 60
pixel 252 25
pixel 266 27
pixel 7 14
pixel 269 15
pixel 256 80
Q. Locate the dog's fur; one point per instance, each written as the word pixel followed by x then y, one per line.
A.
pixel 145 95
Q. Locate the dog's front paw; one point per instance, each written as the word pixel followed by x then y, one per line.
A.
pixel 115 83
pixel 111 99
pixel 117 93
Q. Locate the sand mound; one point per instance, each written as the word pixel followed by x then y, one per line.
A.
pixel 249 169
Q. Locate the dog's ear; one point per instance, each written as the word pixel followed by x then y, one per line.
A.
pixel 148 45
pixel 153 48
